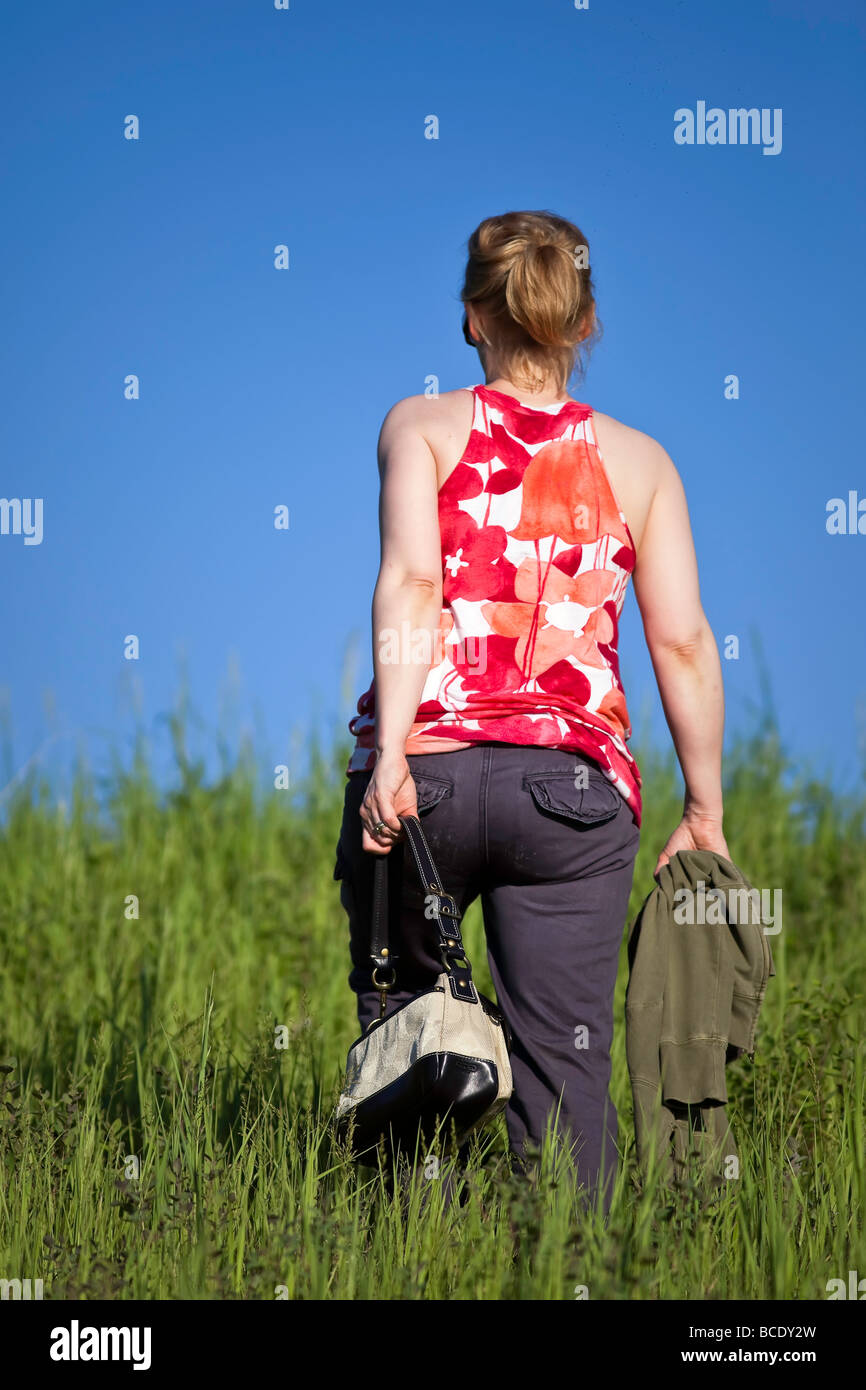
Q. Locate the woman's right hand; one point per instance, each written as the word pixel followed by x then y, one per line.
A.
pixel 390 793
pixel 694 832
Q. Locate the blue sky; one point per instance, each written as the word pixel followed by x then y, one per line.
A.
pixel 262 387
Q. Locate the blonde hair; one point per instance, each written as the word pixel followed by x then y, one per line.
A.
pixel 529 274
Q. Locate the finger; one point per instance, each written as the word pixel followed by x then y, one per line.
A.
pixel 374 824
pixel 388 815
pixel 409 811
pixel 376 836
pixel 373 846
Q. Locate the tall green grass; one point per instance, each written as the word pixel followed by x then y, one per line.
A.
pixel 156 1143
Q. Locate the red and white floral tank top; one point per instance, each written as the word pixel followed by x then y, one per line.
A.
pixel 536 558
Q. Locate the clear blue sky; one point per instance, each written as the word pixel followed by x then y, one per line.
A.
pixel 261 387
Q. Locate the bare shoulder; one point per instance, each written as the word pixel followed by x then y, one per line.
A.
pixel 632 448
pixel 638 467
pixel 433 413
pixel 443 422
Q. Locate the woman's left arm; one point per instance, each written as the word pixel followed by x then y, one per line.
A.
pixel 407 605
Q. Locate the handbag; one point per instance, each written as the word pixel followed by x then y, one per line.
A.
pixel 441 1057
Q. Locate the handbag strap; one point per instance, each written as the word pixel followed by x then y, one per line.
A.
pixel 439 907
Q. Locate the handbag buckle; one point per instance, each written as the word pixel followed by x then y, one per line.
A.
pixel 440 904
pixel 383 986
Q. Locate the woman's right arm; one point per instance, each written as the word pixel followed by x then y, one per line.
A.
pixel 685 659
pixel 407 606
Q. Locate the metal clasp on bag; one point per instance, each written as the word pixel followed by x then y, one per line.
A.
pixel 383 986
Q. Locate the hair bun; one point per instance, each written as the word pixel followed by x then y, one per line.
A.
pixel 536 296
pixel 543 293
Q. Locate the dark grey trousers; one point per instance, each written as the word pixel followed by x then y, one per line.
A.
pixel 549 845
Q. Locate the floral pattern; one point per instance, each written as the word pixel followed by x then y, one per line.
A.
pixel 536 559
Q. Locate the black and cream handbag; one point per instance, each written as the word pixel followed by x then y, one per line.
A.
pixel 440 1057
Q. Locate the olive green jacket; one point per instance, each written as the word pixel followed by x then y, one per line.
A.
pixel 699 961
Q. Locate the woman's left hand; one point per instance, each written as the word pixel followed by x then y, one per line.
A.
pixel 390 793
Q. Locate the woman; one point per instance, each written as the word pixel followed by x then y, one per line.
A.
pixel 512 517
